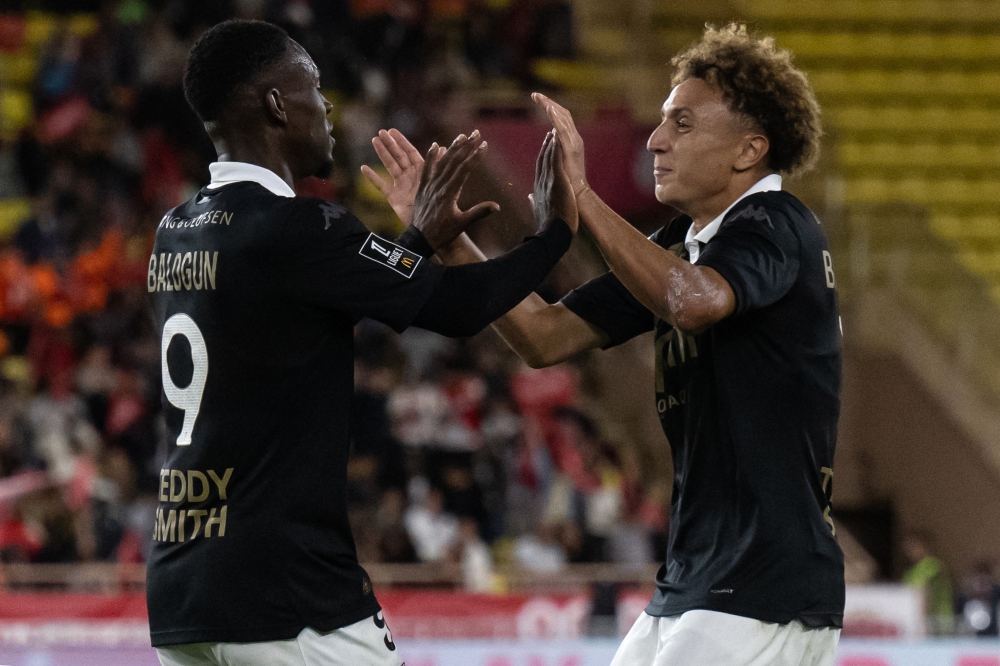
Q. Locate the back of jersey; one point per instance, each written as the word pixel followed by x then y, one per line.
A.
pixel 251 539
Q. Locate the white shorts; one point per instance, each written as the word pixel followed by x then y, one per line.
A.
pixel 708 638
pixel 364 643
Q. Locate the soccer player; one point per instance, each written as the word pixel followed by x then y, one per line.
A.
pixel 257 292
pixel 740 292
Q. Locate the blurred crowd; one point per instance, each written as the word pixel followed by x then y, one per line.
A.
pixel 460 453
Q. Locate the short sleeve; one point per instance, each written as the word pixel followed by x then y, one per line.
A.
pixel 338 264
pixel 608 305
pixel 757 253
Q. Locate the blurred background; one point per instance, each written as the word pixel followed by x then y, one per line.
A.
pixel 491 502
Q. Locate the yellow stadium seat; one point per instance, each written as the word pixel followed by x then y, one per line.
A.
pixel 12 213
pixel 15 111
pixel 17 69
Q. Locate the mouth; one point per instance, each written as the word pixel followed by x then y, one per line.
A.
pixel 659 172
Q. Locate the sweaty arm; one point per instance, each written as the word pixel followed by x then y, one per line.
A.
pixel 540 333
pixel 471 296
pixel 689 297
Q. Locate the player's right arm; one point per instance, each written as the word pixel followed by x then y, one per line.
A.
pixel 542 334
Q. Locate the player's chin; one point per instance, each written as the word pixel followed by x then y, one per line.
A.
pixel 664 195
pixel 325 169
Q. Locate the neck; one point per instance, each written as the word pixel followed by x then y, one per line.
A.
pixel 260 149
pixel 704 211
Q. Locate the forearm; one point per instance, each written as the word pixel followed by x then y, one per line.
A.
pixel 686 296
pixel 540 333
pixel 472 295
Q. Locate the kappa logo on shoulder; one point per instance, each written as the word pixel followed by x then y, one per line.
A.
pixel 389 254
pixel 331 211
pixel 753 213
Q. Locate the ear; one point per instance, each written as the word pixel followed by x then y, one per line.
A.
pixel 276 106
pixel 753 150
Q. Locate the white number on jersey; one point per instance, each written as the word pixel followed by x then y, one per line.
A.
pixel 187 399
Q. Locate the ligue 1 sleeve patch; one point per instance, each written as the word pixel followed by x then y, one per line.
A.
pixel 389 254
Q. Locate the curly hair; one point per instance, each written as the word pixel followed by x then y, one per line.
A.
pixel 760 82
pixel 227 58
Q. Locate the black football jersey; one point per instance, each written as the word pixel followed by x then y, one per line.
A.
pixel 750 407
pixel 256 296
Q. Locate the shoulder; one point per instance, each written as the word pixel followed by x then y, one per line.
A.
pixel 318 219
pixel 770 208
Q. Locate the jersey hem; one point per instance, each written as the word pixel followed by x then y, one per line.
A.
pixel 810 620
pixel 172 637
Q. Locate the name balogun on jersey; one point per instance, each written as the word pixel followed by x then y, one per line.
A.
pixel 182 271
pixel 191 487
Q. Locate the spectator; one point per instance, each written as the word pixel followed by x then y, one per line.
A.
pixel 979 600
pixel 431 529
pixel 927 573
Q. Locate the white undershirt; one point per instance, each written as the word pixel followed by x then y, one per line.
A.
pixel 691 242
pixel 226 173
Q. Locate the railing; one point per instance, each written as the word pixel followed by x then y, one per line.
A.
pixel 116 578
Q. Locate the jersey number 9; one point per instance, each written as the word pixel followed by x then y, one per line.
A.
pixel 188 398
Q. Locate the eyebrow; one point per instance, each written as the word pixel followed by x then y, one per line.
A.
pixel 677 111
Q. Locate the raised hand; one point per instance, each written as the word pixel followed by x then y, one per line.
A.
pixel 570 141
pixel 404 164
pixel 553 197
pixel 435 211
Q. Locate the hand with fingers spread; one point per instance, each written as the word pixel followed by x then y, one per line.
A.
pixel 435 210
pixel 404 164
pixel 553 197
pixel 570 141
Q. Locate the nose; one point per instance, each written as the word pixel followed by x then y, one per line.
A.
pixel 657 140
pixel 328 104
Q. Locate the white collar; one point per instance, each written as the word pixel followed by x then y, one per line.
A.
pixel 226 173
pixel 765 184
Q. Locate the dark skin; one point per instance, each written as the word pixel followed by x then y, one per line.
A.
pixel 280 122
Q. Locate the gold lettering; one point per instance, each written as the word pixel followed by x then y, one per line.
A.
pixel 196 514
pixel 210 267
pixel 215 216
pixel 196 475
pixel 693 345
pixel 221 483
pixel 164 473
pixel 827 475
pixel 170 526
pixel 672 401
pixel 151 275
pixel 197 266
pixel 161 283
pixel 186 270
pixel 156 525
pixel 829 519
pixel 212 520
pixel 227 218
pixel 177 495
pixel 176 271
pixel 180 525
pixel 660 341
pixel 831 281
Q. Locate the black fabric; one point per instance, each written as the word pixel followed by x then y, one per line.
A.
pixel 273 286
pixel 471 296
pixel 415 241
pixel 750 408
